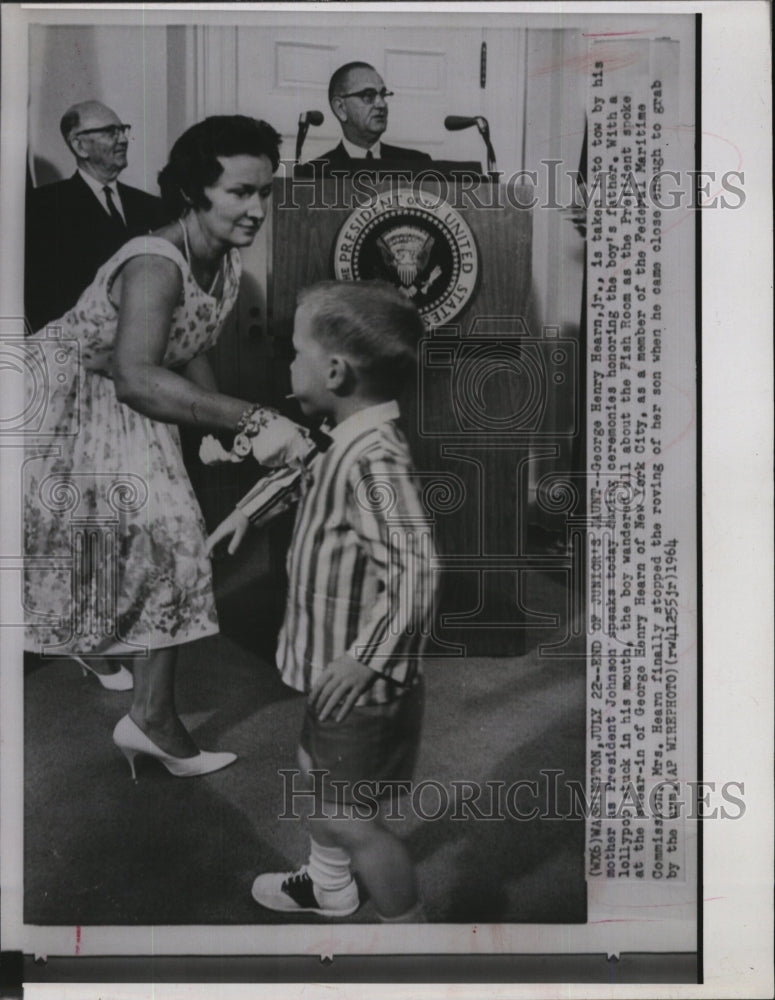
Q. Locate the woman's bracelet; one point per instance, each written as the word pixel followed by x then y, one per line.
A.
pixel 253 419
pixel 248 422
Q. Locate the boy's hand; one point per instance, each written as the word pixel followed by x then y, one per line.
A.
pixel 236 524
pixel 341 684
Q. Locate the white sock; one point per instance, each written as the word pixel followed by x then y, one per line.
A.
pixel 329 867
pixel 415 915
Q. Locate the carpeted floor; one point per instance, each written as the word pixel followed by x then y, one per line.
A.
pixel 101 849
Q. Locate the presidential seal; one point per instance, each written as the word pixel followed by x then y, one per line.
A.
pixel 418 243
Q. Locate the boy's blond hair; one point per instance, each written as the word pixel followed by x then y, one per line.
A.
pixel 372 323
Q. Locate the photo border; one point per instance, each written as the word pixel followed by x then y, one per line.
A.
pixel 717 563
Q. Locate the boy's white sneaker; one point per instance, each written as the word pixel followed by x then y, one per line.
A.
pixel 295 892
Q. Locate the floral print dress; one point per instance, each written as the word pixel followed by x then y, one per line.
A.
pixel 114 536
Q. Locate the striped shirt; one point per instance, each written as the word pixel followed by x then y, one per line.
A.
pixel 360 577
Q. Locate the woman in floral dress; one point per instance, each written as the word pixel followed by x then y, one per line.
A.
pixel 138 337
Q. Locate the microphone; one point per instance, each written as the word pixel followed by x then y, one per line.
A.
pixel 311 118
pixel 454 123
pixel 306 118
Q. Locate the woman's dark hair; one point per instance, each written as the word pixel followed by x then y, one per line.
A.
pixel 193 164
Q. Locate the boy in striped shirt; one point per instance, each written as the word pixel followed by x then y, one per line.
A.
pixel 359 599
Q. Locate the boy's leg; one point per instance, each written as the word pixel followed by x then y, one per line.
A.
pixel 375 745
pixel 324 885
pixel 378 856
pixel 329 865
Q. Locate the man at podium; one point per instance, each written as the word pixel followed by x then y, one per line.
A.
pixel 358 98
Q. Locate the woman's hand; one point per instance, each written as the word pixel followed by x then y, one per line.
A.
pixel 235 526
pixel 280 441
pixel 212 452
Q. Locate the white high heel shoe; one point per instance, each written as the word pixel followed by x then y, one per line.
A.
pixel 131 740
pixel 121 680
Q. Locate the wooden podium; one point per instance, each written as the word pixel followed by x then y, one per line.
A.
pixel 484 382
pixel 308 215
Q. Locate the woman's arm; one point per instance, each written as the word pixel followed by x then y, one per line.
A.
pixel 200 372
pixel 150 291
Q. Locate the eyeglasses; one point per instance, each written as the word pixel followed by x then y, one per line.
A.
pixel 111 131
pixel 370 94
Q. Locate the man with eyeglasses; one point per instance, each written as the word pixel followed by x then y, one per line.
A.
pixel 358 98
pixel 74 225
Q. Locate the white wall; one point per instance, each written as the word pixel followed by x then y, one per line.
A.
pixel 160 79
pixel 125 68
pixel 556 82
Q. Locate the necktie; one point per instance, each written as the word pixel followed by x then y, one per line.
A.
pixel 369 155
pixel 114 212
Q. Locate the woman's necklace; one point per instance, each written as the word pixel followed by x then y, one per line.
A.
pixel 187 253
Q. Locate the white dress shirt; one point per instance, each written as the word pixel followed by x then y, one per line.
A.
pixel 359 153
pixel 97 187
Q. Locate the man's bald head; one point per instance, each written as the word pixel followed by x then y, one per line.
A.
pixel 72 118
pixel 97 139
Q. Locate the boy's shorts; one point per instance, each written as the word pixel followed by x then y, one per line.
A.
pixel 373 743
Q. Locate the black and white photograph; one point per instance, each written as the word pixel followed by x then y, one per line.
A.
pixel 353 387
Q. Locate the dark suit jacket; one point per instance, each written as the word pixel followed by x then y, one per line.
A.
pixel 339 157
pixel 69 235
